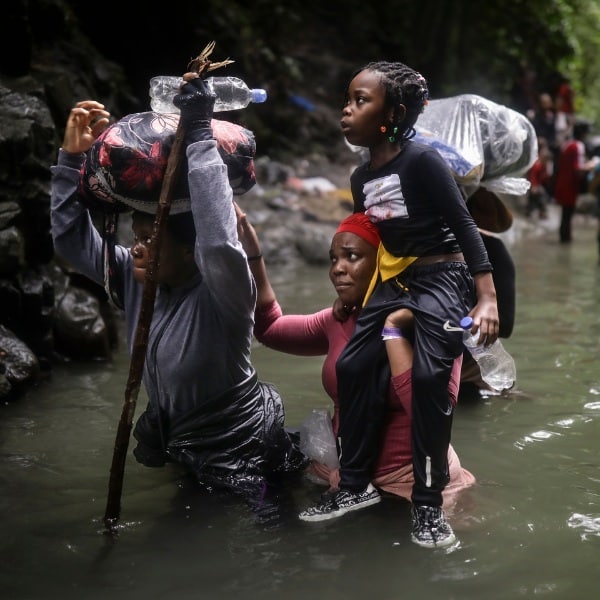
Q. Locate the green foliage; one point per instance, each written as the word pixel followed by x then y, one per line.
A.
pixel 464 46
pixel 310 48
pixel 583 26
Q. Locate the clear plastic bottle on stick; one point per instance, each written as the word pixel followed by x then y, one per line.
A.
pixel 232 93
pixel 495 363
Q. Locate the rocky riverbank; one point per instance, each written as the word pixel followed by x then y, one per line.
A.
pixel 51 314
pixel 48 313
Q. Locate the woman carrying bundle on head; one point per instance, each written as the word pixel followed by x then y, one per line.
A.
pixel 206 408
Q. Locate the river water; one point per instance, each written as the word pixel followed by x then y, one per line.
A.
pixel 529 528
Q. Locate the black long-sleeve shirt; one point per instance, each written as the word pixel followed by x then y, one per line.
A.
pixel 418 207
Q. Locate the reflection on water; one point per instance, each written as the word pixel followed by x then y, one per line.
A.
pixel 530 527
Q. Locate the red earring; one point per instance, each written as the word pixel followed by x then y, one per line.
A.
pixel 383 129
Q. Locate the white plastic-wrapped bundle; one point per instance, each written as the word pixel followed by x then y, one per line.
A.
pixel 484 143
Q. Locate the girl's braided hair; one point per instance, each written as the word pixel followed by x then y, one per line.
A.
pixel 403 86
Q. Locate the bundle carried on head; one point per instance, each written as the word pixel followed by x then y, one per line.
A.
pixel 125 166
pixel 483 143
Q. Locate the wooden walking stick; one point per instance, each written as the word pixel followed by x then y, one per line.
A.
pixel 200 65
pixel 138 353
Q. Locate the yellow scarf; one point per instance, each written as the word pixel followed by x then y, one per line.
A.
pixel 388 266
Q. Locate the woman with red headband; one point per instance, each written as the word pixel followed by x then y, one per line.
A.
pixel 353 255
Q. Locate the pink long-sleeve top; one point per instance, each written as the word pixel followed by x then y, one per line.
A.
pixel 321 334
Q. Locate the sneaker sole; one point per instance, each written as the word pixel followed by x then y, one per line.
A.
pixel 441 544
pixel 339 512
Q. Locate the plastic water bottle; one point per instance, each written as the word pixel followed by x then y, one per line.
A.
pixel 232 93
pixel 495 363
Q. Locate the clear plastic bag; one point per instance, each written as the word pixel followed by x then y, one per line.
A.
pixel 483 143
pixel 317 440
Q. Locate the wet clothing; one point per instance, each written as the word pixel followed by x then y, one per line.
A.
pixel 206 408
pixel 420 212
pixel 321 333
pixel 504 275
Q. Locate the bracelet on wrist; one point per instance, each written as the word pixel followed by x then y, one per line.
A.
pixel 391 333
pixel 255 257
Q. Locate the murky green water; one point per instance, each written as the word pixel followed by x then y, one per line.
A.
pixel 530 528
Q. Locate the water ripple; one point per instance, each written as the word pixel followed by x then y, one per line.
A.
pixel 536 436
pixel 589 526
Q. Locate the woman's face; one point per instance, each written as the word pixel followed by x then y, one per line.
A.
pixel 176 262
pixel 352 265
pixel 364 110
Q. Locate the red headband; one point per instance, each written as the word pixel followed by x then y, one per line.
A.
pixel 360 224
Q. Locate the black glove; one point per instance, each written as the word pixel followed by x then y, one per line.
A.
pixel 196 103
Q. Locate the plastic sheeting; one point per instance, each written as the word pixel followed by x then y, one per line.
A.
pixel 236 438
pixel 317 440
pixel 484 143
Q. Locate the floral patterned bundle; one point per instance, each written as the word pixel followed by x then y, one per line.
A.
pixel 125 166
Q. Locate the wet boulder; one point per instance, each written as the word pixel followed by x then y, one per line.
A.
pixel 80 330
pixel 19 366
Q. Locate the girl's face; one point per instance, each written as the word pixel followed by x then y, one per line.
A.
pixel 365 111
pixel 352 265
pixel 176 262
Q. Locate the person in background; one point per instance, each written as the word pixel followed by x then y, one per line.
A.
pixel 353 257
pixel 564 103
pixel 408 191
pixel 492 218
pixel 571 172
pixel 540 178
pixel 544 120
pixel 206 408
pixel 544 123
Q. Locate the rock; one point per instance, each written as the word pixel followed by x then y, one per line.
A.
pixel 19 366
pixel 12 252
pixel 79 327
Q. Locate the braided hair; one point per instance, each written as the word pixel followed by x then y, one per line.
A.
pixel 403 86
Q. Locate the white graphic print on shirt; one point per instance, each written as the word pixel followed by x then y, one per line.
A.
pixel 384 199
